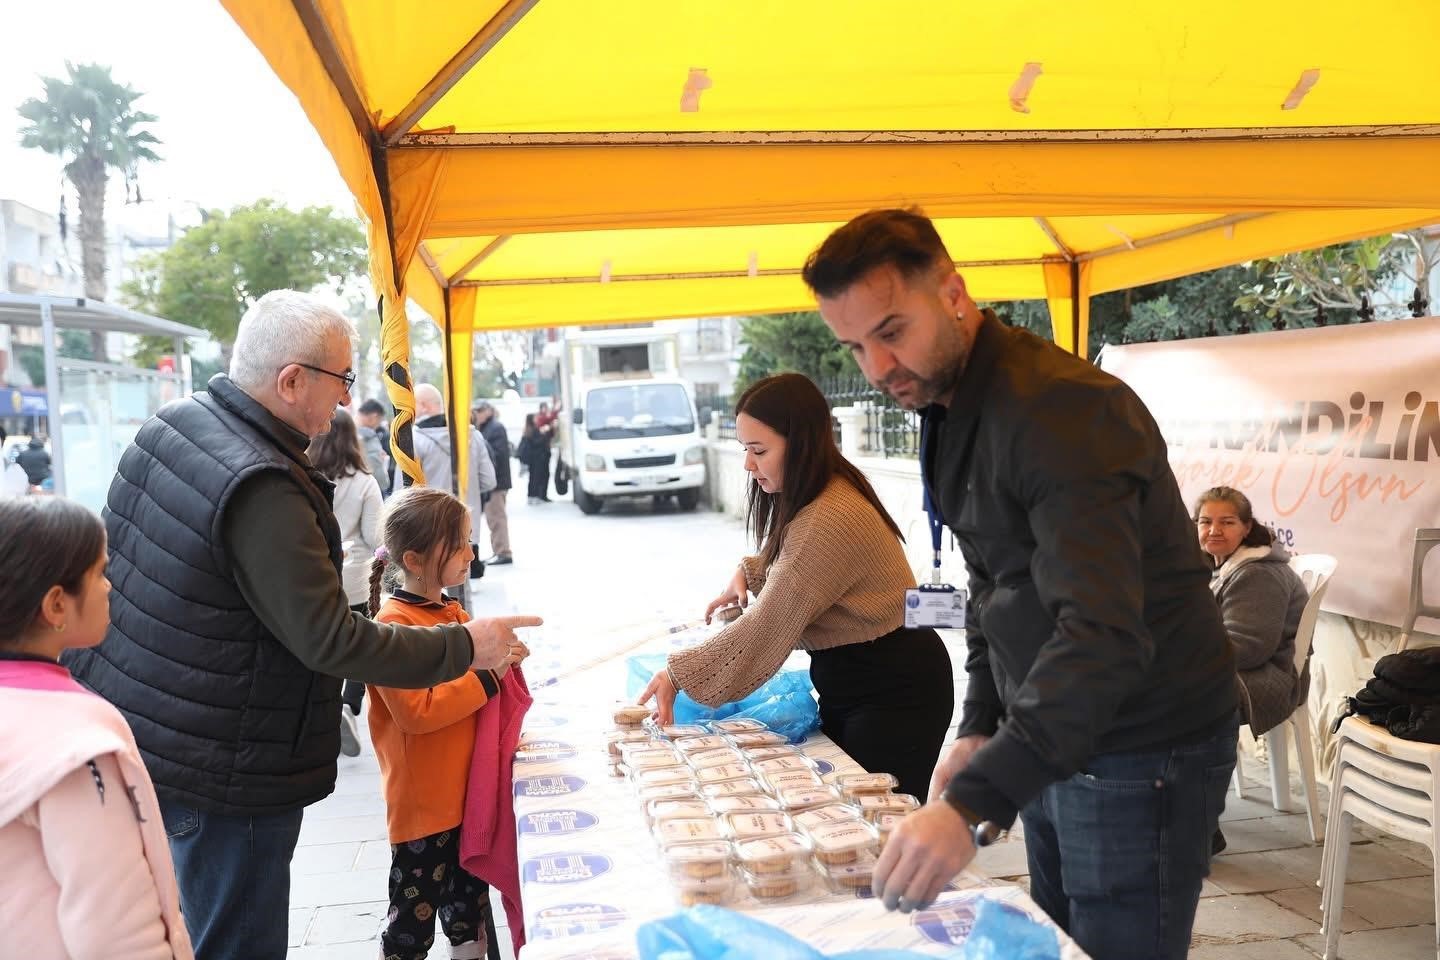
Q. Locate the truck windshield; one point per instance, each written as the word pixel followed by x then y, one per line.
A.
pixel 638 410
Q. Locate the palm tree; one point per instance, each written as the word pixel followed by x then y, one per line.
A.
pixel 90 119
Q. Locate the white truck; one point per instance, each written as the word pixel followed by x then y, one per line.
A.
pixel 628 426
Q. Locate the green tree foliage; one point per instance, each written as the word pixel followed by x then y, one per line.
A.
pixel 216 270
pixel 790 341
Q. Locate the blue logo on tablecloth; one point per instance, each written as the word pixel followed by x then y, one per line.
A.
pixel 537 751
pixel 565 868
pixel 823 767
pixel 575 919
pixel 556 822
pixel 951 924
pixel 548 786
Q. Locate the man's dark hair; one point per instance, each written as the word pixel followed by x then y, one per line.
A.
pixel 372 406
pixel 903 239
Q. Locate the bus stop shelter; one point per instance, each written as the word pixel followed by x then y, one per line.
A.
pixel 542 162
pixel 93 409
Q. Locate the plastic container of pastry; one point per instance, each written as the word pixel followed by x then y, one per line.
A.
pixel 854 785
pixel 784 779
pixel 749 787
pixel 676 731
pixel 796 761
pixel 830 813
pixel 630 715
pixel 754 754
pixel 662 777
pixel 672 808
pixel 885 825
pixel 795 800
pixel 773 887
pixel 697 859
pixel 725 771
pixel 670 791
pixel 616 739
pixel 737 725
pixel 714 758
pixel 758 738
pixel 778 854
pixel 844 841
pixel 638 757
pixel 871 807
pixel 752 825
pixel 744 804
pixel 687 830
pixel 710 741
pixel 716 891
pixel 847 877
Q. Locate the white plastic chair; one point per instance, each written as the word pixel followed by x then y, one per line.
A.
pixel 1389 783
pixel 1315 571
pixel 1425 541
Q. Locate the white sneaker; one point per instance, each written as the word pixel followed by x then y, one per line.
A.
pixel 349 733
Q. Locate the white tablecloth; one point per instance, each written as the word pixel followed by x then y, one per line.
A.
pixel 591 874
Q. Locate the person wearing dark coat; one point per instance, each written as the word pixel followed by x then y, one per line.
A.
pixel 493 432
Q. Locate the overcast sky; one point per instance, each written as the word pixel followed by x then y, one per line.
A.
pixel 232 132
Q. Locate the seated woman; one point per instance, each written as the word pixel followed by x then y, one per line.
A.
pixel 830 578
pixel 1261 600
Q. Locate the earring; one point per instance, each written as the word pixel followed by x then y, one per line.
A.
pixel 59 628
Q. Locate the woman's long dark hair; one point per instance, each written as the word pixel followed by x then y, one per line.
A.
pixel 337 454
pixel 793 407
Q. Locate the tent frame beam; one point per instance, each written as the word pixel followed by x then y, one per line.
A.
pixel 851 137
pixel 458 66
pixel 706 275
pixel 318 30
pixel 478 259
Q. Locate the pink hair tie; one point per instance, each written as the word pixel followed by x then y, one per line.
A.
pixel 381 554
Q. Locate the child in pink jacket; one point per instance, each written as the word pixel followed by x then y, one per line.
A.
pixel 87 868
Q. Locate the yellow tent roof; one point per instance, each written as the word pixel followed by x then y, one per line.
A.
pixel 542 162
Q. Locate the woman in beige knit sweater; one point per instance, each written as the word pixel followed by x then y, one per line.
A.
pixel 830 578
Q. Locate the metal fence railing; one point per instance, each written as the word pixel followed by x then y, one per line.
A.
pixel 890 431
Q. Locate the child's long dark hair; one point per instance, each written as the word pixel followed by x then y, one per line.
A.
pixel 792 406
pixel 428 521
pixel 44 542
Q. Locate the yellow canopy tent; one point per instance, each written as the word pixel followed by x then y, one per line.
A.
pixel 546 162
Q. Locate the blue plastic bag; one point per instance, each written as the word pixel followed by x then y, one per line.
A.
pixel 714 933
pixel 1002 932
pixel 785 703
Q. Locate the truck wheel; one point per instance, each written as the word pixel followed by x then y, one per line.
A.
pixel 688 499
pixel 588 505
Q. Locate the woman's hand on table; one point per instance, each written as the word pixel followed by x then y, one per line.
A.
pixel 662 688
pixel 952 761
pixel 736 592
pixel 926 851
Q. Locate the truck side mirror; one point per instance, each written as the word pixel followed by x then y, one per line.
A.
pixel 577 416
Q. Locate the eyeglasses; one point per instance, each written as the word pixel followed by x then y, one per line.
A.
pixel 347 378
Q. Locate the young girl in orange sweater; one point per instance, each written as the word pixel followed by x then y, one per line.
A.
pixel 424 738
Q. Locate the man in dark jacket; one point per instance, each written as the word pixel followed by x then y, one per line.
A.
pixel 375 442
pixel 1100 703
pixel 490 427
pixel 229 623
pixel 35 461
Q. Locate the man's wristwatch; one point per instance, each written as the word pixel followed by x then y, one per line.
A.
pixel 983 832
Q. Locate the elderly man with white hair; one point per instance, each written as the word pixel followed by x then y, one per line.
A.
pixel 230 626
pixel 432 449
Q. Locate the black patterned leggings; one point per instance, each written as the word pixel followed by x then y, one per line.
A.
pixel 425 882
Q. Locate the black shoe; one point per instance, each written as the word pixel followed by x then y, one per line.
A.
pixel 1217 843
pixel 544 499
pixel 477 569
pixel 499 561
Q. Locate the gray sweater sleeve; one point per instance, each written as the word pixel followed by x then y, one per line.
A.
pixel 1253 605
pixel 283 570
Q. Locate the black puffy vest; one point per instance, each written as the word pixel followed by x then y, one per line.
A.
pixel 227 718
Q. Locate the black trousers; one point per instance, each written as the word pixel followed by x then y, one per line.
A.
pixel 353 693
pixel 426 882
pixel 539 476
pixel 888 703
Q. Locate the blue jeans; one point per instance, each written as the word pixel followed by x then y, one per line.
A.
pixel 1118 851
pixel 234 875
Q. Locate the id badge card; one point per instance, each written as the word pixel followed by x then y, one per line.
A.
pixel 935 605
